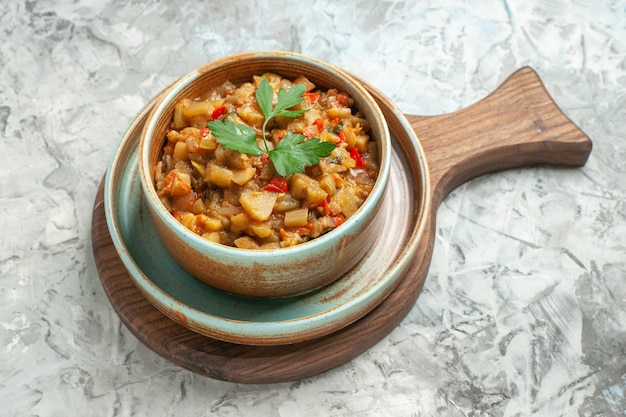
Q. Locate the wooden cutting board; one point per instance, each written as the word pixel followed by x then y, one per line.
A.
pixel 517 125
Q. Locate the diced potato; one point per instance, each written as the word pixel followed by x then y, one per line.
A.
pixel 308 85
pixel 344 201
pixel 348 162
pixel 183 202
pixel 299 184
pixel 271 245
pixel 208 142
pixel 285 202
pixel 360 123
pixel 212 236
pixel 246 242
pixel 189 221
pixel 296 218
pixel 174 136
pixel 218 175
pixel 289 238
pixel 339 153
pixel 179 183
pixel 328 184
pixel 258 204
pixel 331 167
pixel 339 112
pixel 348 133
pixel 274 79
pixel 251 114
pixel 236 160
pixel 239 222
pixel 244 93
pixel 179 120
pixel 242 176
pixel 293 125
pixel 217 103
pixel 314 196
pixel 180 152
pixel 261 229
pixel 198 206
pixel 196 108
pixel 304 187
pixel 361 143
pixel 220 155
pixel 210 224
pixel 329 137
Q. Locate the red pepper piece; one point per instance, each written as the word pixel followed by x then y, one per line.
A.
pixel 169 182
pixel 326 208
pixel 342 137
pixel 304 230
pixel 354 154
pixel 319 122
pixel 277 185
pixel 343 99
pixel 312 95
pixel 219 111
pixel 339 219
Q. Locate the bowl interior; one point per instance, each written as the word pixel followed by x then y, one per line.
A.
pixel 239 69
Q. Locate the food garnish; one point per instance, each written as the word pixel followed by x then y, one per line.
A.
pixel 294 152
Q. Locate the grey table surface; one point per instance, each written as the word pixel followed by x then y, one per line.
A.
pixel 524 306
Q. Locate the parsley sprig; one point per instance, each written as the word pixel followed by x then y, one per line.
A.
pixel 294 152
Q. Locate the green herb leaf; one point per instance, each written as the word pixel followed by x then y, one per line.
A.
pixel 293 153
pixel 238 137
pixel 290 98
pixel 284 100
pixel 265 97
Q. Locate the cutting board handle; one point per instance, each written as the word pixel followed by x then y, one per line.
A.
pixel 517 125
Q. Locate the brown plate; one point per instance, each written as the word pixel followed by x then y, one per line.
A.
pixel 517 125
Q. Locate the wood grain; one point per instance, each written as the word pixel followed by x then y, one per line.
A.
pixel 243 363
pixel 518 125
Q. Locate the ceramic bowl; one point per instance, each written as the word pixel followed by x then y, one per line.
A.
pixel 278 272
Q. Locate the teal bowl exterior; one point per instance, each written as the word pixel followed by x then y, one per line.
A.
pixel 279 272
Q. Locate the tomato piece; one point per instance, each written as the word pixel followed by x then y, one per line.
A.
pixel 312 96
pixel 339 220
pixel 277 185
pixel 169 181
pixel 354 154
pixel 218 112
pixel 304 230
pixel 326 208
pixel 343 99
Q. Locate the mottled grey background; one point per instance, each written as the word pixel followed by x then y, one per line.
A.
pixel 524 307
